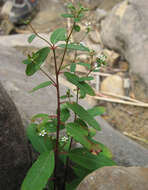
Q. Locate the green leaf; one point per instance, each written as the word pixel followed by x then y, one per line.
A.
pixel 66 96
pixel 31 38
pixel 86 78
pixel 38 59
pixel 74 79
pixel 58 35
pixel 51 126
pixel 105 150
pixel 40 115
pixel 85 65
pixel 79 133
pixel 73 67
pixel 98 110
pixel 86 88
pixel 38 175
pixel 65 114
pixel 80 171
pixel 73 46
pixel 73 185
pixel 38 142
pixel 82 94
pixel 27 61
pixel 42 85
pixel 84 115
pixel 67 15
pixel 92 132
pixel 77 28
pixel 76 127
pixel 89 161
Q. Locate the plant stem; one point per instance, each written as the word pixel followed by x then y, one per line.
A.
pixel 65 50
pixel 70 146
pixel 38 35
pixel 58 119
pixel 53 82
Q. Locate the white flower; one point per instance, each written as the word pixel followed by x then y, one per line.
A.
pixel 87 24
pixel 82 43
pixel 64 139
pixel 42 133
pixel 102 57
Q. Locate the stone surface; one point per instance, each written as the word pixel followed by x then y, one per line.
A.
pixel 116 178
pixel 12 75
pixel 6 8
pixel 103 4
pixel 112 57
pixel 14 152
pixel 125 30
pixel 113 84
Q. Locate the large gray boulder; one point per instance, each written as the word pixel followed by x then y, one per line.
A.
pixel 14 153
pixel 116 178
pixel 125 30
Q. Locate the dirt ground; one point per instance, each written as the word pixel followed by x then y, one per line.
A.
pixel 130 119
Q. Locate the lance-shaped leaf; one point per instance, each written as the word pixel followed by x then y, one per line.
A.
pixel 37 60
pixel 38 175
pixel 87 65
pixel 65 114
pixel 89 161
pixel 27 61
pixel 74 79
pixel 42 85
pixel 73 46
pixel 79 133
pixel 86 88
pixel 38 142
pixel 86 78
pixel 67 15
pixel 51 126
pixel 98 110
pixel 31 38
pixel 73 67
pixel 58 35
pixel 83 114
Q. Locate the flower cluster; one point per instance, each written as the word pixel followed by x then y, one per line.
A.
pixel 42 133
pixel 64 139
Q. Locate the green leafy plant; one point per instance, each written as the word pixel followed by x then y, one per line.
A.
pixel 60 165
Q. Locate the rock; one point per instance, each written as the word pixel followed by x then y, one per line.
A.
pixel 113 84
pixel 116 178
pixel 94 36
pixel 125 30
pixel 6 8
pixel 14 158
pixel 102 4
pixel 100 14
pixel 123 65
pixel 112 57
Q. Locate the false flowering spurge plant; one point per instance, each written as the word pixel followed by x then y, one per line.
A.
pixel 60 166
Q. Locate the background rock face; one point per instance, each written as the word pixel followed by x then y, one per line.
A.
pixel 14 155
pixel 116 178
pixel 125 30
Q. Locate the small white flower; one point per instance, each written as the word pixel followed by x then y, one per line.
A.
pixel 42 133
pixel 87 24
pixel 82 43
pixel 95 64
pixel 102 57
pixel 64 139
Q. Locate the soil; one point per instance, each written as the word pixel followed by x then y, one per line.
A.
pixel 130 119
